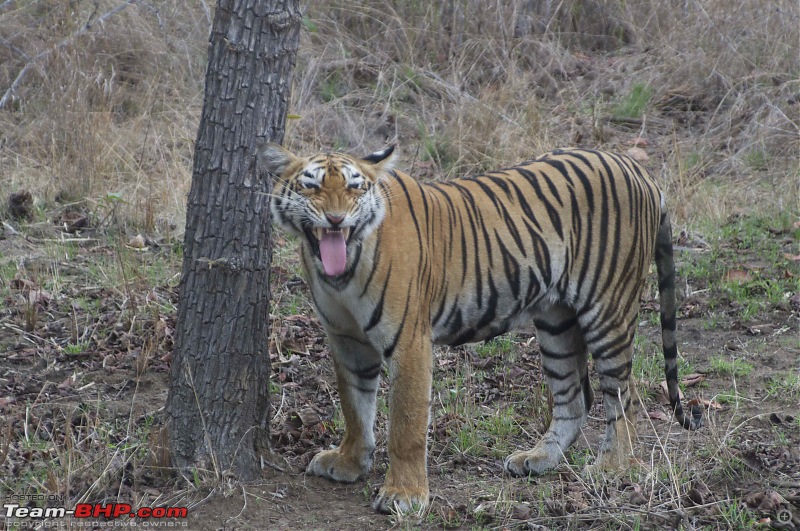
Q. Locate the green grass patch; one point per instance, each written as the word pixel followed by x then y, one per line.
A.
pixel 786 385
pixel 731 367
pixel 499 346
pixel 748 268
pixel 736 515
pixel 634 104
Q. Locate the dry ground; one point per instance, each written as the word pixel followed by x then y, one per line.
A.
pixel 99 131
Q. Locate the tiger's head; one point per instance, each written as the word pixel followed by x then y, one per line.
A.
pixel 332 200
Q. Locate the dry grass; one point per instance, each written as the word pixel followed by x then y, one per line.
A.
pixel 106 121
pixel 462 86
pixel 113 111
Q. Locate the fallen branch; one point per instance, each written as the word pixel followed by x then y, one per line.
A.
pixel 9 93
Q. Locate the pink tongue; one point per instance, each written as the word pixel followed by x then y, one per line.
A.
pixel 333 250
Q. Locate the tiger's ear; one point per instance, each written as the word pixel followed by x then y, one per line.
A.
pixel 382 161
pixel 274 158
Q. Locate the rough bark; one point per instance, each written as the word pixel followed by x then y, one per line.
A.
pixel 218 402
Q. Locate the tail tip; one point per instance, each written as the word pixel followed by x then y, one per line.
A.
pixel 690 422
pixel 697 418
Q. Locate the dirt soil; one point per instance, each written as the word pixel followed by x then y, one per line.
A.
pixel 86 404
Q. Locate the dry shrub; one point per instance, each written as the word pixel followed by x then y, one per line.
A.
pixel 711 85
pixel 468 85
pixel 111 111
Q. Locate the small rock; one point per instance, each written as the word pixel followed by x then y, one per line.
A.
pixel 696 496
pixel 521 511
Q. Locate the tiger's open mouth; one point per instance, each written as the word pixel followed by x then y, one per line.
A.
pixel 332 248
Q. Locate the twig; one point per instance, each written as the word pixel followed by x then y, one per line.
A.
pixel 8 95
pixel 10 46
pixel 209 18
pixel 9 229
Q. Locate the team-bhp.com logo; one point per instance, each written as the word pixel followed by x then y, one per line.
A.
pixel 94 510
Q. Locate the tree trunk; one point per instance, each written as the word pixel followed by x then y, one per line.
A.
pixel 218 402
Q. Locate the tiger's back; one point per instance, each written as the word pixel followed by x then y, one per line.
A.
pixel 565 241
pixel 491 249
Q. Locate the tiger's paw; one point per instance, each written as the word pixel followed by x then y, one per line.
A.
pixel 536 461
pixel 400 500
pixel 338 466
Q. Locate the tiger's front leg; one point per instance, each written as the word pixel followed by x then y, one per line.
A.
pixel 410 375
pixel 358 368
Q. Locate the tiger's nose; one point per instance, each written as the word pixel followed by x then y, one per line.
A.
pixel 334 219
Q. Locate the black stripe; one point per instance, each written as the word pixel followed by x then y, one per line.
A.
pixel 510 267
pixel 350 338
pixel 368 373
pixel 550 373
pixel 613 349
pixel 568 417
pixel 556 329
pixel 553 214
pixel 440 311
pixel 376 258
pixel 620 372
pixel 556 355
pixel 389 350
pixel 570 393
pixel 377 312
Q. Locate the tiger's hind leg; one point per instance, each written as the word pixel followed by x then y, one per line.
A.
pixel 564 357
pixel 612 351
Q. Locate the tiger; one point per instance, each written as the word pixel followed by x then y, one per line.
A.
pixel 395 265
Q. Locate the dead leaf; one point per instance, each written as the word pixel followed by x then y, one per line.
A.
pixel 690 380
pixel 700 494
pixel 638 141
pixel 21 284
pixel 39 296
pixel 635 497
pixel 305 417
pixel 767 501
pixel 739 276
pixel 481 363
pixel 68 382
pixel 665 392
pixel 521 511
pixel 708 404
pixel 792 257
pixel 637 154
pixel 658 415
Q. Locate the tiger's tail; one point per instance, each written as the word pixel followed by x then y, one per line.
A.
pixel 666 290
